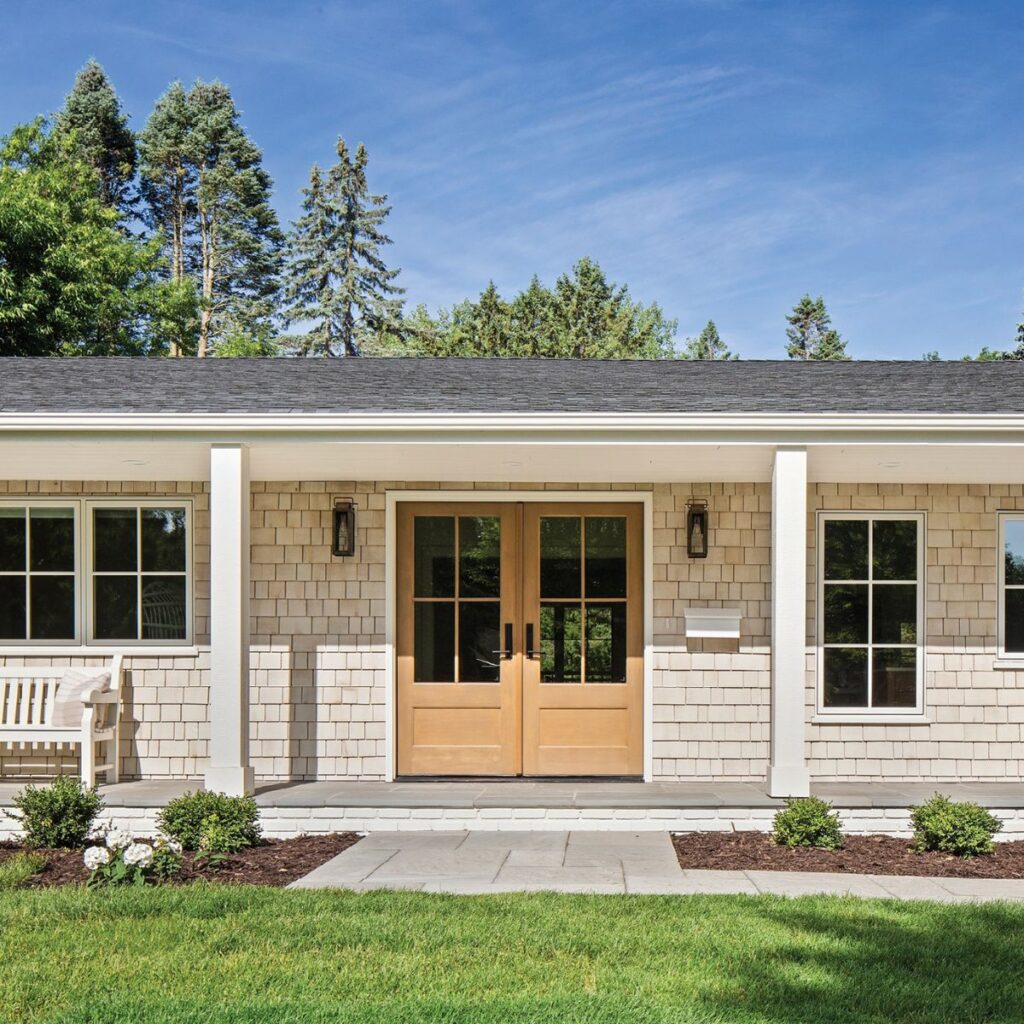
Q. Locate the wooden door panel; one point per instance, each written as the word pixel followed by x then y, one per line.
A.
pixel 582 727
pixel 455 726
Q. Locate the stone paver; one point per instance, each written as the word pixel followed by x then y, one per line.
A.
pixel 600 862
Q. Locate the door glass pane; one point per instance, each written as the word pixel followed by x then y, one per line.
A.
pixel 560 562
pixel 163 540
pixel 479 556
pixel 894 678
pixel 894 549
pixel 846 613
pixel 434 642
pixel 479 640
pixel 606 643
pixel 434 543
pixel 1013 541
pixel 53 607
pixel 605 556
pixel 1014 625
pixel 846 677
pixel 114 540
pixel 846 549
pixel 560 643
pixel 12 540
pixel 894 614
pixel 52 539
pixel 12 608
pixel 163 608
pixel 115 607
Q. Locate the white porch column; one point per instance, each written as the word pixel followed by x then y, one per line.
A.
pixel 787 770
pixel 229 770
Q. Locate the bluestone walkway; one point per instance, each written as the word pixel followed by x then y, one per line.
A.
pixel 599 862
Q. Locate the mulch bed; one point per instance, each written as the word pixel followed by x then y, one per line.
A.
pixel 275 862
pixel 866 855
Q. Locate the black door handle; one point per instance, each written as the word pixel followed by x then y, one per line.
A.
pixel 507 652
pixel 530 652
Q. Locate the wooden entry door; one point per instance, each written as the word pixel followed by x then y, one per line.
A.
pixel 583 612
pixel 459 670
pixel 520 639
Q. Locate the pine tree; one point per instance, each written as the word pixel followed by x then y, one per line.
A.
pixel 810 332
pixel 491 325
pixel 532 311
pixel 336 278
pixel 206 189
pixel 707 345
pixel 92 116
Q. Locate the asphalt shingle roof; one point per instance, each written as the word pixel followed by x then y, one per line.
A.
pixel 275 386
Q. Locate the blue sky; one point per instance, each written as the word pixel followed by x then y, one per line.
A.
pixel 722 157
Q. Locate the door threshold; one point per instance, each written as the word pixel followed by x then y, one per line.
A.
pixel 580 779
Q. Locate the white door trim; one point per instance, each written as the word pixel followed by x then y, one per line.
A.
pixel 392 498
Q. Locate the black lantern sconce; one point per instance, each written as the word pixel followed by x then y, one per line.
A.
pixel 343 537
pixel 697 528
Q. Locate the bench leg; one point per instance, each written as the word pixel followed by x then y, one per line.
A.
pixel 114 775
pixel 88 758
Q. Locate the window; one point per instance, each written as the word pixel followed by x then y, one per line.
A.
pixel 122 568
pixel 138 572
pixel 38 563
pixel 1011 584
pixel 870 613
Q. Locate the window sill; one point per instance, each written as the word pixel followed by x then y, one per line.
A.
pixel 73 651
pixel 1008 664
pixel 917 718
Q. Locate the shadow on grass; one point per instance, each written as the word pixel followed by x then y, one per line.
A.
pixel 889 962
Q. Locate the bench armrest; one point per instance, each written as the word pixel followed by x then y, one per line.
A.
pixel 98 696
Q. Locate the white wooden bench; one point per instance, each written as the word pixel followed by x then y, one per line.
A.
pixel 26 705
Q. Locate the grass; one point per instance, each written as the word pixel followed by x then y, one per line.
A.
pixel 215 954
pixel 16 870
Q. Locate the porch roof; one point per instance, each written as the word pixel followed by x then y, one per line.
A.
pixel 399 386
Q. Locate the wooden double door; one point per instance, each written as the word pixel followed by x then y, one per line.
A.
pixel 520 639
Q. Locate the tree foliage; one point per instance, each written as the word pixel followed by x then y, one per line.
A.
pixel 707 345
pixel 810 332
pixel 337 281
pixel 583 317
pixel 92 118
pixel 71 283
pixel 208 194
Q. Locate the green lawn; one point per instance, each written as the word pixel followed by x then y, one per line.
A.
pixel 215 954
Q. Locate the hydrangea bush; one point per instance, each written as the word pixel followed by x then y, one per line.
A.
pixel 118 859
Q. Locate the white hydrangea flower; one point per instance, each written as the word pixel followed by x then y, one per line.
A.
pixel 118 839
pixel 96 856
pixel 138 855
pixel 98 833
pixel 174 846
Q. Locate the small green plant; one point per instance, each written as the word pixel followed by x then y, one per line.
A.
pixel 17 870
pixel 58 815
pixel 232 822
pixel 807 821
pixel 961 828
pixel 166 859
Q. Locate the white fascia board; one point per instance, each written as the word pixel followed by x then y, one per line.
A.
pixel 469 428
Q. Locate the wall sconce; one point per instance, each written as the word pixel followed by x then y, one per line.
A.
pixel 697 528
pixel 343 538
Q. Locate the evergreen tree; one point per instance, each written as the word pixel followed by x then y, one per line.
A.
pixel 707 345
pixel 810 332
pixel 336 278
pixel 71 282
pixel 595 319
pixel 207 191
pixel 491 331
pixel 532 313
pixel 92 116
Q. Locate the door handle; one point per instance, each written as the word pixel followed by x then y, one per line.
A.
pixel 530 652
pixel 507 652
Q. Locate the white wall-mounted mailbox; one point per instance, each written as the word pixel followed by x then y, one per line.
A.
pixel 713 622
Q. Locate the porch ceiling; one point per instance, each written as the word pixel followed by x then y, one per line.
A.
pixel 100 458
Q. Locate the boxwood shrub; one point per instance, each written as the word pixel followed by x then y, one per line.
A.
pixel 807 821
pixel 58 815
pixel 963 829
pixel 201 820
